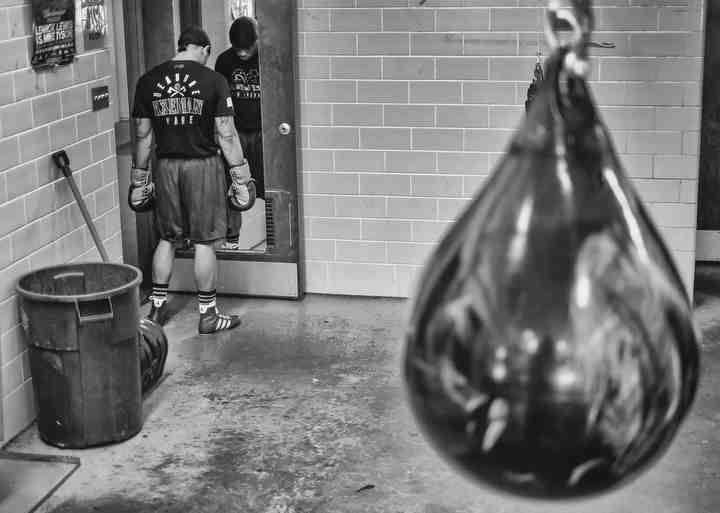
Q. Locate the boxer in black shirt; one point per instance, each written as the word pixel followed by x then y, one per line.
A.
pixel 187 108
pixel 240 65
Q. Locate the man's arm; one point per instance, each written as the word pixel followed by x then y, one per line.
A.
pixel 229 142
pixel 143 142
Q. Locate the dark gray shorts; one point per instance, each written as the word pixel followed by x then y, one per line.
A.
pixel 191 199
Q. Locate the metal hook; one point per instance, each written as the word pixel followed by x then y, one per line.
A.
pixel 580 20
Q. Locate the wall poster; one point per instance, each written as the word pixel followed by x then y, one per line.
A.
pixel 54 32
pixel 94 23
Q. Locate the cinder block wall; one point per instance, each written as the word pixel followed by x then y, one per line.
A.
pixel 40 223
pixel 407 108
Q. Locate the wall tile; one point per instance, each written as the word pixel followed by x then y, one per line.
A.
pixel 363 160
pixel 464 116
pixel 436 44
pixel 385 184
pixel 408 20
pixel 408 68
pixel 313 20
pixel 331 91
pixel 385 138
pixel 15 55
pixel 16 118
pixel 361 279
pixel 360 206
pixel 318 206
pixel 439 139
pixel 46 109
pixel 493 43
pixel 386 230
pixel 437 186
pixel 357 115
pixel 355 20
pixel 410 161
pixel 412 208
pixel 383 44
pixel 463 20
pixel 502 93
pixel 409 115
pixel 334 228
pixel 330 44
pixel 435 92
pixel 463 163
pixel 360 68
pixel 382 92
pixel 462 68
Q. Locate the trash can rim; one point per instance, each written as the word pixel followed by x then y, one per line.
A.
pixel 71 298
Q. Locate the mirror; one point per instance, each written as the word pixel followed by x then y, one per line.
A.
pixel 240 64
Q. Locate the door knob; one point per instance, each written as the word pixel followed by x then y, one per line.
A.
pixel 284 128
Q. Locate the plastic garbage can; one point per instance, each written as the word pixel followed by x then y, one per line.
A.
pixel 81 325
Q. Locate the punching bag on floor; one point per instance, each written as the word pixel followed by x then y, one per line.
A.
pixel 153 353
pixel 551 350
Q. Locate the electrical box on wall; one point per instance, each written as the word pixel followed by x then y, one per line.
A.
pixel 100 97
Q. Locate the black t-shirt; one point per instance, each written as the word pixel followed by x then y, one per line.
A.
pixel 183 98
pixel 244 79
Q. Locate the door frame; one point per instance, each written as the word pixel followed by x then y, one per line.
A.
pixel 286 220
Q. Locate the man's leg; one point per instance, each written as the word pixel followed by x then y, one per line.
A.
pixel 205 267
pixel 162 265
pixel 211 320
pixel 206 204
pixel 163 261
pixel 167 216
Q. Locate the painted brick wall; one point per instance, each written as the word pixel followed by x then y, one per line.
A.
pixel 406 109
pixel 40 223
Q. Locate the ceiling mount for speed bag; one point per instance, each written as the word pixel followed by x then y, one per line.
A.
pixel 551 350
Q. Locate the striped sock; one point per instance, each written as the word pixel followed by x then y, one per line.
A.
pixel 206 300
pixel 159 294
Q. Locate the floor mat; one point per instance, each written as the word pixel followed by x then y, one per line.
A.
pixel 27 480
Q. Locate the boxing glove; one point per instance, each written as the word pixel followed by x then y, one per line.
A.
pixel 141 193
pixel 242 192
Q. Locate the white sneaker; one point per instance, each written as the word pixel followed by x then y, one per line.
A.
pixel 230 245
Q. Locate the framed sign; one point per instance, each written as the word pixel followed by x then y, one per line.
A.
pixel 53 32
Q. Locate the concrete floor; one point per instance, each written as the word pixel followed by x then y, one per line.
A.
pixel 302 406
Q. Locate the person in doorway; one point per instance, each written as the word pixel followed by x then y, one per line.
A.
pixel 187 109
pixel 240 65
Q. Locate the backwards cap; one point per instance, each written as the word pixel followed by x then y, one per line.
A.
pixel 192 35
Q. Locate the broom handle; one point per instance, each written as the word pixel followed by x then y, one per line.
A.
pixel 63 162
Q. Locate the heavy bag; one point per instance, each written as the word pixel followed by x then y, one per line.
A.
pixel 551 350
pixel 153 353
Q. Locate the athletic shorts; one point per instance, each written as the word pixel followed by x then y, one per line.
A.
pixel 191 202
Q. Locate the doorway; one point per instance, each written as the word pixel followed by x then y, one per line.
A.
pixel 707 252
pixel 708 215
pixel 263 259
